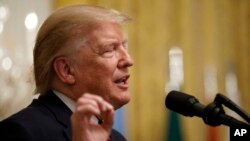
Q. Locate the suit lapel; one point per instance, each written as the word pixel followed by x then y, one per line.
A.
pixel 60 111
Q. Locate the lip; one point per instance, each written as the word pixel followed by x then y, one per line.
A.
pixel 124 85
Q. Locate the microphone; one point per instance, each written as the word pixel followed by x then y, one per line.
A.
pixel 184 104
pixel 212 114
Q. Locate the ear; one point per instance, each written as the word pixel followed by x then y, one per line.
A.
pixel 64 70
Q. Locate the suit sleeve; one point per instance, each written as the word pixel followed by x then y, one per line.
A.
pixel 12 131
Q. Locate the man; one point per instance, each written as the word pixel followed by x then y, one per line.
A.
pixel 81 72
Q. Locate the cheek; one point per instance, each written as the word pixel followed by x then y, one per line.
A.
pixel 99 73
pixel 105 67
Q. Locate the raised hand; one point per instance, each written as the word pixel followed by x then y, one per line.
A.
pixel 88 107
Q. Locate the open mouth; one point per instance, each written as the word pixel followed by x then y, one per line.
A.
pixel 122 82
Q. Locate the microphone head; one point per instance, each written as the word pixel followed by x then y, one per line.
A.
pixel 181 103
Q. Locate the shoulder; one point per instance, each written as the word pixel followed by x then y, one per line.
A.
pixel 17 126
pixel 29 116
pixel 35 111
pixel 31 123
pixel 11 131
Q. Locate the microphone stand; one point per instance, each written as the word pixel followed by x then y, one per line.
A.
pixel 214 113
pixel 231 105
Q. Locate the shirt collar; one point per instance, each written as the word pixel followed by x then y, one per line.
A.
pixel 72 105
pixel 66 100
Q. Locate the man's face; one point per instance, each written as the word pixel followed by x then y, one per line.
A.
pixel 101 66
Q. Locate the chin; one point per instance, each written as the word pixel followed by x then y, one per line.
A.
pixel 118 103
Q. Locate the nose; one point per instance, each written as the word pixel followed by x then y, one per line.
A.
pixel 125 60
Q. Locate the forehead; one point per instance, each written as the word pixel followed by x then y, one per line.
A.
pixel 107 31
pixel 97 36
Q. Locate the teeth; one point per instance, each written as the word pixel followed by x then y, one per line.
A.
pixel 123 80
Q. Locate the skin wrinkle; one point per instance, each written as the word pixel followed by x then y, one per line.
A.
pixel 95 53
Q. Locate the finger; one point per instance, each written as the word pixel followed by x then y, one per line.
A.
pixel 103 105
pixel 106 110
pixel 87 111
pixel 86 101
pixel 108 119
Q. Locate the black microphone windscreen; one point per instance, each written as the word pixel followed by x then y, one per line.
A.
pixel 181 103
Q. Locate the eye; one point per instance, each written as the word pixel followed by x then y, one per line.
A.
pixel 109 51
pixel 125 45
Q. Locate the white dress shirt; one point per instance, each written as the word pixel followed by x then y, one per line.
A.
pixel 67 101
pixel 72 104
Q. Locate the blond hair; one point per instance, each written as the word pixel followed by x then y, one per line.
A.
pixel 57 30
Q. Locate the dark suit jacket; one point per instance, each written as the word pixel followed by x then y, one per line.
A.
pixel 45 119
